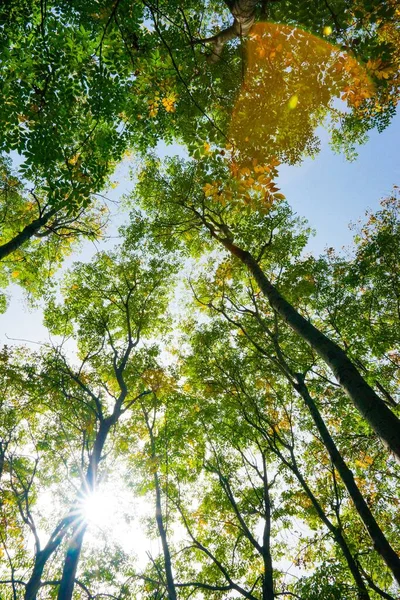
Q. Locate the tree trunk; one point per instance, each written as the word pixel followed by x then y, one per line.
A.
pixel 41 558
pixel 362 592
pixel 72 555
pixel 170 583
pixel 382 420
pixel 2 458
pixel 66 588
pixel 33 585
pixel 243 13
pixel 27 232
pixel 268 579
pixel 163 535
pixel 380 542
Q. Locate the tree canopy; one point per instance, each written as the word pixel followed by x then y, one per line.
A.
pixel 215 413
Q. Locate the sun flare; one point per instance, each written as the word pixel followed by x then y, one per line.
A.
pixel 98 508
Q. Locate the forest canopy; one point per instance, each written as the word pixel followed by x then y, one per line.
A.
pixel 215 411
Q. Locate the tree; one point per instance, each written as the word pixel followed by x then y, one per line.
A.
pixel 213 210
pixel 267 338
pixel 71 122
pixel 110 315
pixel 246 437
pixel 232 417
pixel 366 285
pixel 35 236
pixel 258 393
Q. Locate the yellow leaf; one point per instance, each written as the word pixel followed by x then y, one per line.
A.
pixel 29 206
pixel 169 103
pixel 263 179
pixel 74 159
pixel 293 101
pixel 210 189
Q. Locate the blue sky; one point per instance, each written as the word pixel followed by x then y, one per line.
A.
pixel 329 191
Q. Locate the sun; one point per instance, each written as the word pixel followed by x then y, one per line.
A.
pixel 114 514
pixel 98 508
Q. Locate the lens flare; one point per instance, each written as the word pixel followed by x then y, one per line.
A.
pixel 98 509
pixel 293 83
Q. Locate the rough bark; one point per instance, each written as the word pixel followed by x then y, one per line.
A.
pixel 379 416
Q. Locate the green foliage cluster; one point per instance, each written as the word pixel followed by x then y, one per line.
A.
pixel 235 396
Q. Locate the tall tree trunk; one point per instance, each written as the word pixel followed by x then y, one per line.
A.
pixel 71 560
pixel 27 232
pixel 33 585
pixel 164 541
pixel 3 447
pixel 42 556
pixel 268 579
pixel 362 592
pixel 379 416
pixel 170 583
pixel 73 552
pixel 380 542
